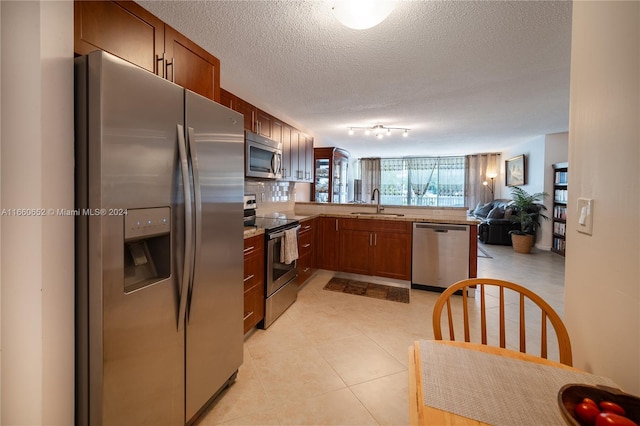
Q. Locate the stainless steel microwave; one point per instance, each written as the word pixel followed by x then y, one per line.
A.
pixel 263 157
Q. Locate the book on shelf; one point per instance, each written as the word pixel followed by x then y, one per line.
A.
pixel 560 212
pixel 559 244
pixel 559 228
pixel 560 195
pixel 561 178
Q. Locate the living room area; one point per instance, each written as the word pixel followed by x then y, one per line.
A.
pixel 494 203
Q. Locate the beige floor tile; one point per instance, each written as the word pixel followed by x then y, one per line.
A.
pixel 295 374
pixel 265 418
pixel 358 359
pixel 386 398
pixel 282 336
pixel 244 397
pixel 339 407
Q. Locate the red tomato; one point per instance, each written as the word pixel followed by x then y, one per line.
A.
pixel 612 407
pixel 587 413
pixel 613 419
pixel 589 401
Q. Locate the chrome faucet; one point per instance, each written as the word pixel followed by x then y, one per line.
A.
pixel 379 208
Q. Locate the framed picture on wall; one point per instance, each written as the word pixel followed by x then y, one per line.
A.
pixel 515 171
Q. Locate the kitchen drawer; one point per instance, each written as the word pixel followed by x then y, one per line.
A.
pixel 307 226
pixel 305 243
pixel 253 306
pixel 254 245
pixel 305 268
pixel 253 270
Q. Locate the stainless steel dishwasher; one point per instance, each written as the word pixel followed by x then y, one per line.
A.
pixel 440 255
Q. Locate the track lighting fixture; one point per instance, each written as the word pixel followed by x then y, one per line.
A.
pixel 379 130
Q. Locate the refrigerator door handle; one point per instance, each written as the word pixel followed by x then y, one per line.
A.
pixel 193 156
pixel 188 229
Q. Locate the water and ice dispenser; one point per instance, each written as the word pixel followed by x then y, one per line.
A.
pixel 147 247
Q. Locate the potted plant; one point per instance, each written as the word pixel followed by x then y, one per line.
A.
pixel 527 212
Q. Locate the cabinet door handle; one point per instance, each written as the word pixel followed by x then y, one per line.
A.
pixel 306 270
pixel 375 239
pixel 306 245
pixel 171 64
pixel 248 315
pixel 160 65
pixel 248 249
pixel 370 239
pixel 249 277
pixel 336 224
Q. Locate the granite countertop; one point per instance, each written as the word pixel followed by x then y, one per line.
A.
pixel 442 215
pixel 405 218
pixel 250 231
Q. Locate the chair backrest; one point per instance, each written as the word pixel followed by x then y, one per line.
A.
pixel 491 291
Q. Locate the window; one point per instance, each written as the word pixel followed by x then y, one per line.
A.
pixel 423 181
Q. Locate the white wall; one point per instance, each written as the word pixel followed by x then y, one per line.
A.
pixel 602 280
pixel 534 151
pixel 37 277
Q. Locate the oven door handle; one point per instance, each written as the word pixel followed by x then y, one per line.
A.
pixel 280 234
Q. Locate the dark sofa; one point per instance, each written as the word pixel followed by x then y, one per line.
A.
pixel 495 225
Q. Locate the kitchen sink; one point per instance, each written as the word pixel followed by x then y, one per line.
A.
pixel 378 214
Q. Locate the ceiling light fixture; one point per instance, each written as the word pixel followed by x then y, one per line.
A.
pixel 361 14
pixel 379 130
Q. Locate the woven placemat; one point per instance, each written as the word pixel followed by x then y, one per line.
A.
pixel 361 288
pixel 494 389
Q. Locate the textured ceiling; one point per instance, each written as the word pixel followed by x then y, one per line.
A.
pixel 465 77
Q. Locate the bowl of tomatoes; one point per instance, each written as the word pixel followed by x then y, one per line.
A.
pixel 587 405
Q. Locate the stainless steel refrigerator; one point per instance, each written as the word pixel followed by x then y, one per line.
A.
pixel 159 293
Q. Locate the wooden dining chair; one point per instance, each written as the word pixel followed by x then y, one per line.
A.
pixel 487 288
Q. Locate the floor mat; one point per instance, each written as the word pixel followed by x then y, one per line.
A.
pixel 360 288
pixel 482 253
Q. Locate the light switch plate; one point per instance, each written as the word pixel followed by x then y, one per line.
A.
pixel 585 215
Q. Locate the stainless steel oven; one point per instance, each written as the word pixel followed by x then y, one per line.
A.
pixel 281 289
pixel 263 157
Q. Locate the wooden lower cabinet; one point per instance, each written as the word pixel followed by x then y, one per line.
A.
pixel 306 250
pixel 473 252
pixel 356 251
pixel 327 243
pixel 253 281
pixel 375 247
pixel 392 254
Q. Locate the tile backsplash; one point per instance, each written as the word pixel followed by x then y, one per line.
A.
pixel 272 196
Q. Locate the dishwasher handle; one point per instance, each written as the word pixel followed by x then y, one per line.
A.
pixel 440 228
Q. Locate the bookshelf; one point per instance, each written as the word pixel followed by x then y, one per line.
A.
pixel 559 217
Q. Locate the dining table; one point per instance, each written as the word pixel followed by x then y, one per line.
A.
pixel 462 383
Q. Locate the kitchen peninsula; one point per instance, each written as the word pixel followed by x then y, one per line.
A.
pixel 347 231
pixel 356 238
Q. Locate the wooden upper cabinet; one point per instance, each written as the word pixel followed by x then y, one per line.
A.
pixel 125 29
pixel 286 152
pixel 237 104
pixel 122 28
pixel 190 66
pixel 276 130
pixel 263 124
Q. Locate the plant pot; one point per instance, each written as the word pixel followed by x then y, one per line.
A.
pixel 522 243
